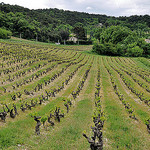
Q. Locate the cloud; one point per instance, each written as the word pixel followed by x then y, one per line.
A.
pixel 88 8
pixel 108 7
pixel 32 4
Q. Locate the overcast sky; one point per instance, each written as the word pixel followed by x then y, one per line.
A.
pixel 108 7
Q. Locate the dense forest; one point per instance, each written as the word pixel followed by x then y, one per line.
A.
pixel 52 25
pixel 47 23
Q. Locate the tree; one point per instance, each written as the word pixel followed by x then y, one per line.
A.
pixel 97 32
pixel 65 27
pixel 2 19
pixel 118 40
pixel 64 35
pixel 79 31
pixel 134 51
pixel 112 22
pixel 22 25
pixel 36 28
pixel 63 31
pixel 5 34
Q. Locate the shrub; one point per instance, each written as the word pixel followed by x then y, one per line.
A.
pixel 5 34
pixel 135 51
pixel 146 48
pixel 69 43
pixel 121 41
pixel 98 48
pixel 43 119
pixel 84 42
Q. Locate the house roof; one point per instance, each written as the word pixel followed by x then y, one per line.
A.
pixel 147 40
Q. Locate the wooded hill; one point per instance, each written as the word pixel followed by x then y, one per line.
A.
pixel 56 16
pixel 46 24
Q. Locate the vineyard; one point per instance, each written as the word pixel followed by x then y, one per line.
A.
pixel 64 97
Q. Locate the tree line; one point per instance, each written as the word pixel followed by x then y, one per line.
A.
pixel 40 25
pixel 52 25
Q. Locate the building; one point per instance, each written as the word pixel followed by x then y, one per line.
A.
pixel 147 40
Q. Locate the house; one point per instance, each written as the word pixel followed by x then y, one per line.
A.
pixel 74 39
pixel 147 40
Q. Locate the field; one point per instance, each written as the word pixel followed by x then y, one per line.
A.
pixel 50 96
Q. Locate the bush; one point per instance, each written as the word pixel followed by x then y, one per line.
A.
pixel 69 43
pixel 146 48
pixel 135 51
pixel 106 49
pixel 121 41
pixel 110 49
pixel 82 42
pixel 121 49
pixel 5 34
pixel 98 48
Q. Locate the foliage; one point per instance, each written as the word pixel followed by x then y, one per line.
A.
pixel 147 121
pixel 43 119
pixel 5 34
pixel 44 25
pixel 134 51
pixel 119 40
pixel 51 25
pixel 64 35
pixel 49 66
pixel 79 31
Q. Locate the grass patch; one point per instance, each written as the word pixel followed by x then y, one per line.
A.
pixel 120 131
pixel 19 132
pixel 69 133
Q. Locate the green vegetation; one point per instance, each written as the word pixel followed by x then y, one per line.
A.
pixel 51 25
pixel 4 34
pixel 120 41
pixel 60 92
pixel 67 96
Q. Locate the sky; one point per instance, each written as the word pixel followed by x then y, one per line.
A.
pixel 107 7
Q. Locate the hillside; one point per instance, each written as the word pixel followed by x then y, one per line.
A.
pixel 46 16
pixel 45 24
pixel 51 95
